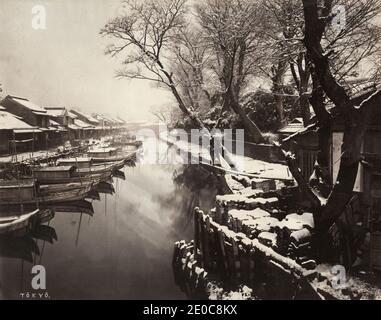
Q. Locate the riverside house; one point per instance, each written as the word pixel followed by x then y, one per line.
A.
pixel 15 134
pixel 32 114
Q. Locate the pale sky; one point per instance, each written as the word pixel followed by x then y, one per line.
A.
pixel 65 63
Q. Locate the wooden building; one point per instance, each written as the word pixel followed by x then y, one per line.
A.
pixel 75 132
pixel 59 115
pixel 365 208
pixel 88 125
pixel 15 134
pixel 85 117
pixel 303 142
pixel 32 114
pixel 58 122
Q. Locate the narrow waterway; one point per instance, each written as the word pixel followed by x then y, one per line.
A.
pixel 123 250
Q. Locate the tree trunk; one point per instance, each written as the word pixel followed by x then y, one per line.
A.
pixel 304 100
pixel 231 101
pixel 250 126
pixel 355 128
pixel 355 119
pixel 277 79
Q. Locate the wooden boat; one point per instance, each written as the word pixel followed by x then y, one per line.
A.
pixel 102 152
pixel 81 162
pixel 15 224
pixel 28 192
pixel 68 195
pixel 17 191
pixel 44 216
pixel 66 174
pixel 48 188
pixel 108 155
pixel 101 168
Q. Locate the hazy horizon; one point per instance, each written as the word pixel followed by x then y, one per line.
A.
pixel 65 64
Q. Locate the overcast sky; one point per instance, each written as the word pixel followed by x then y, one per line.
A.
pixel 65 64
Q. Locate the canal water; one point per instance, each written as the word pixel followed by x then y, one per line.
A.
pixel 122 251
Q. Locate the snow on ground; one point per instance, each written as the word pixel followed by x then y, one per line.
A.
pixel 243 164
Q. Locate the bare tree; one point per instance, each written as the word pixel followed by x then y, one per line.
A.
pixel 318 15
pixel 143 33
pixel 348 47
pixel 232 30
pixel 189 64
pixel 284 32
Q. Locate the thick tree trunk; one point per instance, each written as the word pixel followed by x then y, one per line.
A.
pixel 355 118
pixel 250 126
pixel 304 100
pixel 230 100
pixel 321 179
pixel 355 128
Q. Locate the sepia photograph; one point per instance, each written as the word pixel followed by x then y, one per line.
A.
pixel 190 150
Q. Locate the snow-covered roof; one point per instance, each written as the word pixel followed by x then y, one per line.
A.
pixel 356 87
pixel 106 118
pixel 73 127
pixel 9 122
pixel 294 126
pixel 86 116
pixel 92 119
pixel 53 123
pixel 82 124
pixel 55 111
pixel 72 115
pixel 28 104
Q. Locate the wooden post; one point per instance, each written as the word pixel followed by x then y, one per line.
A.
pixel 206 239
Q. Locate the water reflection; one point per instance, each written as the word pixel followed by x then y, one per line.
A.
pixel 118 247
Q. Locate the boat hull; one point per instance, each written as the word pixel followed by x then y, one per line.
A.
pixel 94 178
pixel 100 169
pixel 51 197
pixel 17 224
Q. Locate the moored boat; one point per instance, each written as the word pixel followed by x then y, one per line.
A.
pixel 66 174
pixel 17 223
pixel 17 191
pixel 48 188
pixel 103 155
pixel 28 192
pixel 101 168
pixel 68 195
pixel 78 162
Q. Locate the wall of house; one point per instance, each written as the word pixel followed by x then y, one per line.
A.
pixel 336 153
pixel 28 116
pixel 4 141
pixel 42 121
pixel 29 145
